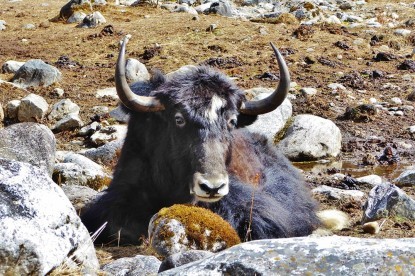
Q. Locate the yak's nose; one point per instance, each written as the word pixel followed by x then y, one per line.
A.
pixel 210 187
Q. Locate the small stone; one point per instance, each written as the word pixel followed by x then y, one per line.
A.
pixel 308 91
pixel 396 100
pixel 402 32
pixel 211 28
pixel 371 227
pixel 58 92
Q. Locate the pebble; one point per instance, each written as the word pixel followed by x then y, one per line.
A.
pixel 402 32
pixel 396 100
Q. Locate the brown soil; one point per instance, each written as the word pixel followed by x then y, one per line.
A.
pixel 166 41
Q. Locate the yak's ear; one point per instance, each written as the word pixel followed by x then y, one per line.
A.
pixel 246 120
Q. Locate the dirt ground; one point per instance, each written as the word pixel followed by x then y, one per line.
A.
pixel 166 41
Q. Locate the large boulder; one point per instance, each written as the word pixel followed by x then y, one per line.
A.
pixel 29 142
pixel 270 123
pixel 32 108
pixel 36 72
pixel 39 227
pixel 387 200
pixel 311 137
pixel 309 256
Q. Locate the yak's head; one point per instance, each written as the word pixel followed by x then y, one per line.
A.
pixel 201 108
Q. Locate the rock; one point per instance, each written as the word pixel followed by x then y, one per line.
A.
pixel 36 72
pixel 407 65
pixel 29 142
pixel 181 228
pixel 372 180
pixel 40 229
pixel 92 20
pixel 110 92
pixel 311 138
pixel 32 108
pixel 222 7
pixel 338 194
pixel 29 26
pixel 108 134
pixel 1 113
pixel 63 108
pixel 127 2
pixel 58 92
pixel 89 129
pixel 396 101
pixel 314 256
pixel 76 17
pixel 138 265
pixel 273 122
pixel 406 178
pixel 12 108
pixel 78 195
pixel 183 258
pixel 120 114
pixel 308 91
pixel 136 71
pixel 107 154
pixel 411 96
pixel 402 32
pixel 76 169
pixel 11 66
pixel 69 122
pixel 2 25
pixel 411 129
pixel 387 200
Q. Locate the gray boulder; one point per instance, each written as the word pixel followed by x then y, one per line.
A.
pixel 311 138
pixel 69 122
pixel 136 71
pixel 138 265
pixel 12 109
pixel 92 20
pixel 270 123
pixel 39 228
pixel 387 200
pixel 36 72
pixel 62 108
pixel 79 196
pixel 29 142
pixel 406 178
pixel 338 194
pixel 331 255
pixel 11 66
pixel 106 154
pixel 183 258
pixel 76 17
pixel 32 108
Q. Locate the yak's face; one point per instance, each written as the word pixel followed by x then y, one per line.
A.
pixel 201 112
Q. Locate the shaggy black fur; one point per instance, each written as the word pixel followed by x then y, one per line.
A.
pixel 158 161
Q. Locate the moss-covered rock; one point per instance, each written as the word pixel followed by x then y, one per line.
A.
pixel 184 227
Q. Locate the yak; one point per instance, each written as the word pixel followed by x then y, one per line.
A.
pixel 186 143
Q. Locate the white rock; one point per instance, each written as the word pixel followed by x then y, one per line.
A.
pixel 100 109
pixel 335 193
pixel 309 91
pixel 69 122
pixel 2 25
pixel 11 66
pixel 270 123
pixel 396 100
pixel 32 108
pixel 336 86
pixel 110 92
pixel 63 108
pixel 311 138
pixel 402 32
pixel 411 129
pixel 11 109
pixel 333 20
pixel 107 134
pixel 59 92
pixel 136 71
pixel 372 180
pixel 76 17
pixel 406 178
pixel 39 227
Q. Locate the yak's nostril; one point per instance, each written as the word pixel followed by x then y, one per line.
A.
pixel 205 188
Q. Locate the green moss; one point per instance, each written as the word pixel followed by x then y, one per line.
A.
pixel 278 137
pixel 197 221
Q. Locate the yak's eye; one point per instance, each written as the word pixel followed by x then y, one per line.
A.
pixel 233 121
pixel 180 122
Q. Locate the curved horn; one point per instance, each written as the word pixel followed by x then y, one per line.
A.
pixel 276 98
pixel 126 95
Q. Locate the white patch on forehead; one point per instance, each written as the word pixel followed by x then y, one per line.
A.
pixel 211 112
